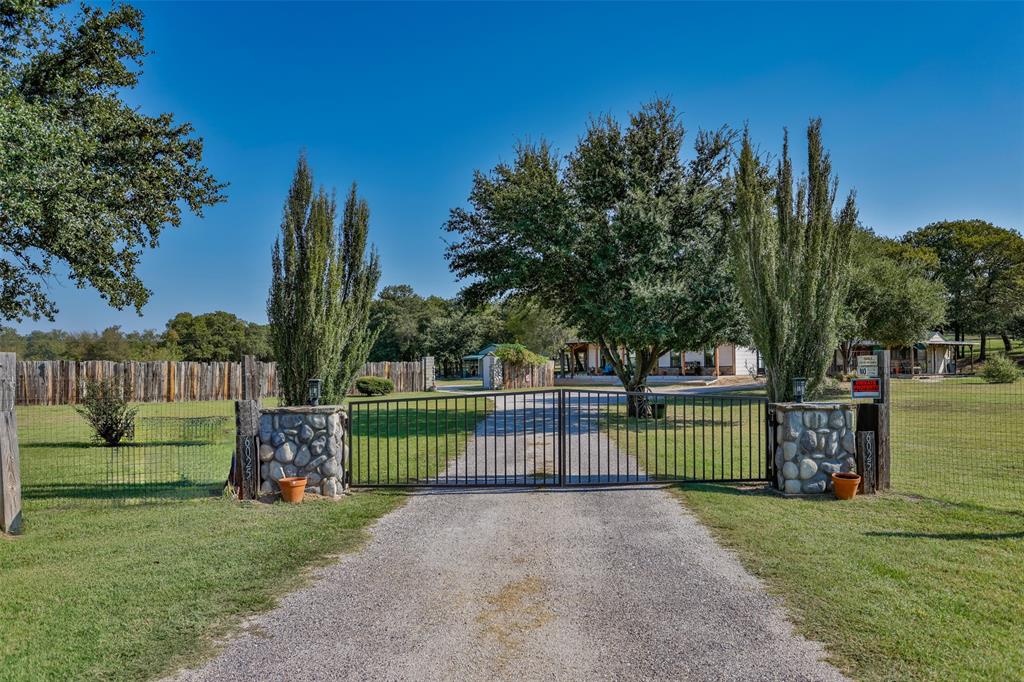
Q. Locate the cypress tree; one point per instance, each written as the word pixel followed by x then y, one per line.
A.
pixel 791 257
pixel 320 293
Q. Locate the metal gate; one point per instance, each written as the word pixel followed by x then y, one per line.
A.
pixel 558 437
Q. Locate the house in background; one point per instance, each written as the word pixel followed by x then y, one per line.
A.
pixel 584 358
pixel 933 355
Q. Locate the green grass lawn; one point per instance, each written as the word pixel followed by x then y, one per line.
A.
pixel 410 439
pixel 926 582
pixel 896 587
pixel 132 592
pixel 696 437
pixel 99 589
pixel 178 450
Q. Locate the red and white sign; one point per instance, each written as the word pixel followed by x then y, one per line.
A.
pixel 866 388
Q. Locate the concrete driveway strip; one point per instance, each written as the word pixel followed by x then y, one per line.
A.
pixel 559 584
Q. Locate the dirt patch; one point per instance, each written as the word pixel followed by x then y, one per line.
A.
pixel 516 610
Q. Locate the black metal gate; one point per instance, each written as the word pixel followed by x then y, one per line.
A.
pixel 557 437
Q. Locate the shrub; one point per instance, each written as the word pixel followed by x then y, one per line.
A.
pixel 999 369
pixel 111 417
pixel 518 354
pixel 374 385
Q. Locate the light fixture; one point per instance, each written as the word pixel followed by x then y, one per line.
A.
pixel 314 391
pixel 799 387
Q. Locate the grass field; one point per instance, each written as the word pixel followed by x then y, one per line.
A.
pixel 411 438
pixel 926 582
pixel 131 592
pixel 696 437
pixel 99 589
pixel 897 588
pixel 179 450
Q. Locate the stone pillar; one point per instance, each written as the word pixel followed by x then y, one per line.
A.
pixel 813 441
pixel 304 441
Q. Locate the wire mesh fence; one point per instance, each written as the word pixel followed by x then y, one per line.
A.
pixel 177 451
pixel 959 440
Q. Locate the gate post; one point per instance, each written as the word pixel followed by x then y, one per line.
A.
pixel 245 464
pixel 10 464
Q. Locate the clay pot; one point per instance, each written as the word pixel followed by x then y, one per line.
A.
pixel 845 484
pixel 293 488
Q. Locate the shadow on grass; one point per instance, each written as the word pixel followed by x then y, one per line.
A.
pixel 176 490
pixel 741 489
pixel 946 536
pixel 124 445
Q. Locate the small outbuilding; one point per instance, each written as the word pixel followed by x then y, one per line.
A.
pixel 472 364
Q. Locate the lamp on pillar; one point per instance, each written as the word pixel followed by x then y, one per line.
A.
pixel 799 387
pixel 314 391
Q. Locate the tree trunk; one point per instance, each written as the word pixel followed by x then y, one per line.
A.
pixel 981 354
pixel 1006 342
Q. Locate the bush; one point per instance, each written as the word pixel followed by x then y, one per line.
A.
pixel 518 354
pixel 999 369
pixel 374 385
pixel 111 417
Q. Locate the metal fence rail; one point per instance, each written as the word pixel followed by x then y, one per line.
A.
pixel 178 450
pixel 960 440
pixel 558 437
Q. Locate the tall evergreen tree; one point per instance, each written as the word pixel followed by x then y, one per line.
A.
pixel 320 294
pixel 791 256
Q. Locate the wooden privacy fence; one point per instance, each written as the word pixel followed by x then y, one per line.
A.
pixel 528 376
pixel 412 376
pixel 63 382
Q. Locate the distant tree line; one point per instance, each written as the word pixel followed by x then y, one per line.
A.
pixel 217 336
pixel 410 326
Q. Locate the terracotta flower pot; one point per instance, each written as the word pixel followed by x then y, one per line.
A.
pixel 845 484
pixel 292 488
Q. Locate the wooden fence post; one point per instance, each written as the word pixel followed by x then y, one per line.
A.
pixel 10 464
pixel 882 430
pixel 867 461
pixel 245 465
pixel 251 389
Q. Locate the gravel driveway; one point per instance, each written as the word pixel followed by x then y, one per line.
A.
pixel 569 584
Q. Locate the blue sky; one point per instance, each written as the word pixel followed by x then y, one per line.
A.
pixel 923 108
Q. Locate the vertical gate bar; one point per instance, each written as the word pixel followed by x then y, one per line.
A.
pixel 416 422
pixel 675 441
pixel 598 435
pixel 504 437
pixel 732 441
pixel 486 476
pixel 437 440
pixel 589 439
pixel 561 435
pixel 767 440
pixel 750 440
pixel 703 440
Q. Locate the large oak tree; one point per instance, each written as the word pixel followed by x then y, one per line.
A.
pixel 87 181
pixel 625 240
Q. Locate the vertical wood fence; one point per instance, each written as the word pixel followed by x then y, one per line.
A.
pixel 63 382
pixel 408 377
pixel 528 376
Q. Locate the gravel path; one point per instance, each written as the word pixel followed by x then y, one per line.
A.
pixel 609 583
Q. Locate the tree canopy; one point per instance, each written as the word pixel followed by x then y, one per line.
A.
pixel 982 268
pixel 87 181
pixel 891 298
pixel 625 241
